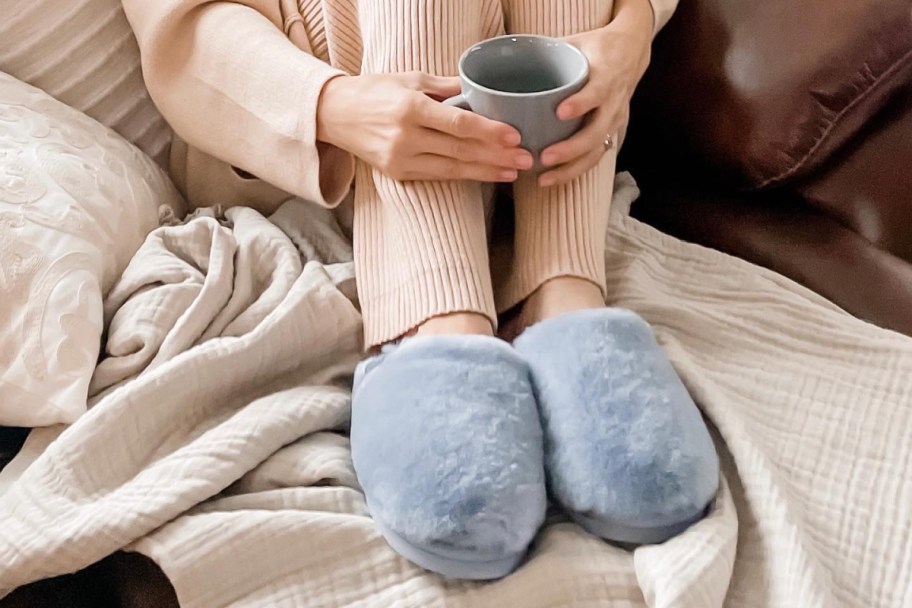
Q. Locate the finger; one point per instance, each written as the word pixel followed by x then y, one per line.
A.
pixel 473 151
pixel 436 86
pixel 592 135
pixel 565 173
pixel 466 125
pixel 434 167
pixel 579 104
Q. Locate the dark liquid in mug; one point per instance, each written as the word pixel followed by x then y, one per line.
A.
pixel 532 79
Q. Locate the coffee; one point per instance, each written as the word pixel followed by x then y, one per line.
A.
pixel 529 79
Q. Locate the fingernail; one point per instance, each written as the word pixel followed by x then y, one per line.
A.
pixel 513 139
pixel 545 181
pixel 547 159
pixel 564 112
pixel 509 176
pixel 524 161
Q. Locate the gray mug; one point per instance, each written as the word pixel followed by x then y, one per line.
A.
pixel 520 80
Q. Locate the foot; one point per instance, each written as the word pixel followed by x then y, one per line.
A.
pixel 626 449
pixel 447 446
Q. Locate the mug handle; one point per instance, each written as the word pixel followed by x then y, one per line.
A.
pixel 458 101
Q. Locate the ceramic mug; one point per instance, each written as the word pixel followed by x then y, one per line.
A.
pixel 520 80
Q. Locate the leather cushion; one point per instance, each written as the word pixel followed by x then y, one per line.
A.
pixel 868 185
pixel 768 90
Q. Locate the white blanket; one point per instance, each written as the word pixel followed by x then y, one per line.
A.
pixel 216 442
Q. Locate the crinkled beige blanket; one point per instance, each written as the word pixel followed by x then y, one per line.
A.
pixel 216 443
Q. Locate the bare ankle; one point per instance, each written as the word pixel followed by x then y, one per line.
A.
pixel 559 296
pixel 456 323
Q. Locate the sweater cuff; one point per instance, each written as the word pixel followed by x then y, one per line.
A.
pixel 324 172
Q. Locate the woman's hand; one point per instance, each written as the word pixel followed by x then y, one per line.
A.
pixel 618 56
pixel 392 122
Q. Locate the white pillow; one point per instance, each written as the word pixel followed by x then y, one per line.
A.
pixel 83 52
pixel 76 202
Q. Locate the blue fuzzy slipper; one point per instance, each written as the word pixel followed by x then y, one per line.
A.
pixel 447 445
pixel 626 449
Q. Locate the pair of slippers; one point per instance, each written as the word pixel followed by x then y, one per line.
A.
pixel 454 437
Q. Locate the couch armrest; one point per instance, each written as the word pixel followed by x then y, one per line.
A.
pixel 766 91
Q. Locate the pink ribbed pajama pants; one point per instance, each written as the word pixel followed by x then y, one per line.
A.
pixel 421 248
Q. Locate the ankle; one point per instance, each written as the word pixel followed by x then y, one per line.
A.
pixel 556 297
pixel 456 323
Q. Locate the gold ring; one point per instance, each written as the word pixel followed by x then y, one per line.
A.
pixel 609 142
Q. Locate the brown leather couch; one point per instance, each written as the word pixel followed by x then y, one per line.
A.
pixel 779 131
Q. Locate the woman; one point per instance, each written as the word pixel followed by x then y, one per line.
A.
pixel 454 429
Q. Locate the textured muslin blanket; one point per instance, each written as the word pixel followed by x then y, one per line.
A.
pixel 216 443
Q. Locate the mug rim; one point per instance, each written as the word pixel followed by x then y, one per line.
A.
pixel 580 77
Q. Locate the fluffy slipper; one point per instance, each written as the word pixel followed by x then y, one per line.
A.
pixel 626 450
pixel 447 445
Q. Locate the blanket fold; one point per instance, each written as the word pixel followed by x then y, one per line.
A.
pixel 216 442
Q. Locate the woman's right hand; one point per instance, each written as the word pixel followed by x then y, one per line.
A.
pixel 394 123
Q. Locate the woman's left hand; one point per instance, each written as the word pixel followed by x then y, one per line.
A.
pixel 618 56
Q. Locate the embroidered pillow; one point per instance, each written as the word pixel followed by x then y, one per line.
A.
pixel 76 201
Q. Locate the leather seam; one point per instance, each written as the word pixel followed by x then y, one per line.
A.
pixel 886 75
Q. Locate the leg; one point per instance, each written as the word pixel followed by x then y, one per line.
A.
pixel 628 453
pixel 445 435
pixel 420 247
pixel 559 247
